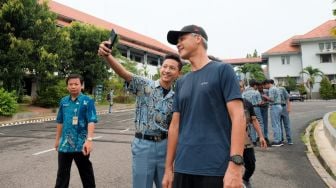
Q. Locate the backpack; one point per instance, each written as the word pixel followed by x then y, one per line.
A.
pixel 108 97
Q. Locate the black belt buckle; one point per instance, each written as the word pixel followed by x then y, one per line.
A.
pixel 158 138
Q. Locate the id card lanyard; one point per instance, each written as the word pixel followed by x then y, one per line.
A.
pixel 75 117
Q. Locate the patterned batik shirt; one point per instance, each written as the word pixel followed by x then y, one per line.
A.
pixel 74 135
pixel 274 95
pixel 284 95
pixel 252 96
pixel 153 111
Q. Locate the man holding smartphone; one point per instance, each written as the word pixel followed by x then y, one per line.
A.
pixel 154 101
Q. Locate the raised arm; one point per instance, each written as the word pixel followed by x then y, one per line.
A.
pixel 105 52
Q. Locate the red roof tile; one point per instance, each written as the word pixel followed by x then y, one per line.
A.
pixel 125 34
pixel 284 47
pixel 243 60
pixel 322 31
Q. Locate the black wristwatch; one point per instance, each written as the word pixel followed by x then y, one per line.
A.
pixel 237 159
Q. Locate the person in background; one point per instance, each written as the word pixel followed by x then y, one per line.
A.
pixel 154 108
pixel 110 100
pixel 249 156
pixel 284 116
pixel 276 109
pixel 264 109
pixel 76 121
pixel 206 136
pixel 253 96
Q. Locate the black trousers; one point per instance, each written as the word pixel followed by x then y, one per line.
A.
pixel 249 160
pixel 84 167
pixel 196 181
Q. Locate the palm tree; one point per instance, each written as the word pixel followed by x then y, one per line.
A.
pixel 312 73
pixel 255 71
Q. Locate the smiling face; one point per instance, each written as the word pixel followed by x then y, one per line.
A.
pixel 169 71
pixel 74 86
pixel 187 44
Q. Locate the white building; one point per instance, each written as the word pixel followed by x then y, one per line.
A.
pixel 317 48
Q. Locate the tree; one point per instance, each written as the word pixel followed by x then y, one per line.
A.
pixel 31 43
pixel 255 71
pixel 290 83
pixel 326 89
pixel 85 61
pixel 312 73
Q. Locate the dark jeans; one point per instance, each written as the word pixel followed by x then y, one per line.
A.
pixel 84 167
pixel 196 181
pixel 249 160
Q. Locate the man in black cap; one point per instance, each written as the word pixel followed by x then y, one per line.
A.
pixel 207 131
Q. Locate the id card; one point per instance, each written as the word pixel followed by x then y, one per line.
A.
pixel 75 120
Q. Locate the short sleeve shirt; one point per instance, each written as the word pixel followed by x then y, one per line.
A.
pixel 153 111
pixel 274 95
pixel 252 96
pixel 74 135
pixel 205 126
pixel 284 95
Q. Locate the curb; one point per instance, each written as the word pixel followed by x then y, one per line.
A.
pixel 48 118
pixel 321 171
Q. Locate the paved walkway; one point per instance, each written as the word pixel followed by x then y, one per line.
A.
pixel 39 114
pixel 327 152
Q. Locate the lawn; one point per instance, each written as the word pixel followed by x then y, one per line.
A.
pixel 332 119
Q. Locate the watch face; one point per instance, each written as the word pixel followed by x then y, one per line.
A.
pixel 237 159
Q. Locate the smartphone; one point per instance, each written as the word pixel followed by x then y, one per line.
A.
pixel 113 38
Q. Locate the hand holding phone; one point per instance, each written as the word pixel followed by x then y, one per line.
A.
pixel 113 38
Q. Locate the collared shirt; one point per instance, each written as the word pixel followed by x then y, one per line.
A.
pixel 74 135
pixel 153 111
pixel 274 95
pixel 284 95
pixel 252 96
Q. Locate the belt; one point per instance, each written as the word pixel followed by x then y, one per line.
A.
pixel 154 138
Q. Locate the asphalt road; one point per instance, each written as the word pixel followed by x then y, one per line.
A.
pixel 27 158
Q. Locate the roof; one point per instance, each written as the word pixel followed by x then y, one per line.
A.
pixel 291 45
pixel 320 32
pixel 67 14
pixel 243 60
pixel 284 47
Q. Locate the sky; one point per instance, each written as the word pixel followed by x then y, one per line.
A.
pixel 234 27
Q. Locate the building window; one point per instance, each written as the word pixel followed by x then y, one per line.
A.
pixel 285 60
pixel 334 46
pixel 321 46
pixel 325 58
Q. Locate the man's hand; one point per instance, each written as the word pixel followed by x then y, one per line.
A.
pixel 103 50
pixel 168 178
pixel 56 144
pixel 233 176
pixel 87 148
pixel 263 143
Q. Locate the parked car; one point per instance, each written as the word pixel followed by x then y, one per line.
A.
pixel 295 96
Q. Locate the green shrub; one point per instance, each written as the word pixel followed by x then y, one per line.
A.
pixel 301 88
pixel 50 96
pixel 8 104
pixel 326 89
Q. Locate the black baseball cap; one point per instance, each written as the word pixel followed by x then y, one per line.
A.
pixel 173 36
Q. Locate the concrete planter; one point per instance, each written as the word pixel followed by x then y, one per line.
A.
pixel 329 130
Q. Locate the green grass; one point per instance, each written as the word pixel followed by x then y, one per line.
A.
pixel 332 119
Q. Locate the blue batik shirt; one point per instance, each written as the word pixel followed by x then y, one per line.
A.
pixel 274 95
pixel 153 111
pixel 284 95
pixel 252 96
pixel 74 136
